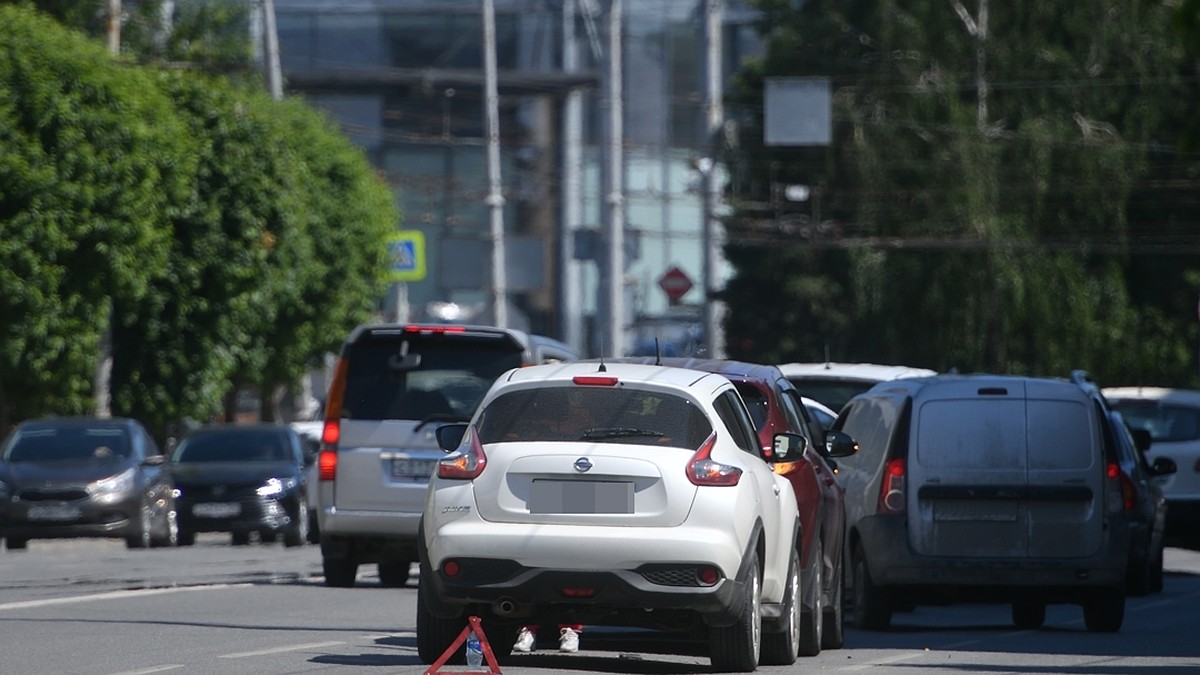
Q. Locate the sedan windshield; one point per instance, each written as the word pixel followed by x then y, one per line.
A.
pixel 66 444
pixel 244 446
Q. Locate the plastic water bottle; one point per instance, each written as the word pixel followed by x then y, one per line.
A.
pixel 474 652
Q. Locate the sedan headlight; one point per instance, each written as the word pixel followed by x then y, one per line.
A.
pixel 113 487
pixel 275 487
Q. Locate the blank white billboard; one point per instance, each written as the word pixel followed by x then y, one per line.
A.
pixel 798 111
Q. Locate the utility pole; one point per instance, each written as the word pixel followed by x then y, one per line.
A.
pixel 714 338
pixel 114 27
pixel 271 47
pixel 570 292
pixel 495 198
pixel 613 189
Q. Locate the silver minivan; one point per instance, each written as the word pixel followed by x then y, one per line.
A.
pixel 984 488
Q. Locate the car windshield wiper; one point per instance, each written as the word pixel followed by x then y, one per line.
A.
pixel 620 432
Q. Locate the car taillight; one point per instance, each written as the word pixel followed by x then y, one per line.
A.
pixel 465 463
pixel 702 470
pixel 327 465
pixel 891 491
pixel 1122 491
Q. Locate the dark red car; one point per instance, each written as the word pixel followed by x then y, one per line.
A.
pixel 775 406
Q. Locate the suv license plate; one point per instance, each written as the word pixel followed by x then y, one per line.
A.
pixel 217 510
pixel 403 467
pixel 577 496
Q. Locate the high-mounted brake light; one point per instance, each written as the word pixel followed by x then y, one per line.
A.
pixel 465 463
pixel 891 491
pixel 433 329
pixel 702 470
pixel 595 380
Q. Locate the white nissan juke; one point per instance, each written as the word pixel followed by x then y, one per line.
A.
pixel 619 495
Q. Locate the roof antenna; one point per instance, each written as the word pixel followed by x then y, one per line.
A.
pixel 657 354
pixel 602 368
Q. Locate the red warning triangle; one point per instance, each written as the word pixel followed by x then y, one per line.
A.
pixel 489 658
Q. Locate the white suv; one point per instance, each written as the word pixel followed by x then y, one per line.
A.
pixel 619 494
pixel 834 383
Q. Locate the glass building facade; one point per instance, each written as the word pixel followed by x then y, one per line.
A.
pixel 405 79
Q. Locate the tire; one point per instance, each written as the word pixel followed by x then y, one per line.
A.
pixel 169 532
pixel 240 538
pixel 142 538
pixel 394 574
pixel 297 532
pixel 872 611
pixel 14 544
pixel 340 572
pixel 1028 615
pixel 812 624
pixel 781 648
pixel 736 648
pixel 314 532
pixel 1104 610
pixel 434 634
pixel 834 636
pixel 1156 572
pixel 187 538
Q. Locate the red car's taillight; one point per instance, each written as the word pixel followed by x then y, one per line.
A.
pixel 467 462
pixel 891 490
pixel 702 470
pixel 1122 491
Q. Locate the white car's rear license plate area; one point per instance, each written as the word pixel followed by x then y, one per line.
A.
pixel 576 496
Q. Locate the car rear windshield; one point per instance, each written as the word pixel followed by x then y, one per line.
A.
pixel 423 377
pixel 833 393
pixel 1165 422
pixel 594 414
pixel 251 445
pixel 67 443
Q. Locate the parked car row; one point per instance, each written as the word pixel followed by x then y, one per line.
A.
pixel 107 477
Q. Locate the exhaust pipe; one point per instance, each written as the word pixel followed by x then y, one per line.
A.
pixel 504 607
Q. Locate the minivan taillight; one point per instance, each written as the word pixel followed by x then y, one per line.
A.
pixel 1122 491
pixel 891 491
pixel 327 464
pixel 702 470
pixel 465 463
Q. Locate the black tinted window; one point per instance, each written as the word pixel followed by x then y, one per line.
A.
pixel 440 378
pixel 833 393
pixel 1167 423
pixel 52 444
pixel 250 445
pixel 600 414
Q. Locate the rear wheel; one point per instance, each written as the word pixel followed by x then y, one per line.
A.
pixel 781 648
pixel 736 648
pixel 434 634
pixel 14 544
pixel 811 618
pixel 872 611
pixel 1104 611
pixel 394 574
pixel 1156 571
pixel 240 538
pixel 339 572
pixel 1028 614
pixel 835 623
pixel 186 538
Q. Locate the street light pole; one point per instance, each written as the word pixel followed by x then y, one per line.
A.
pixel 714 339
pixel 495 198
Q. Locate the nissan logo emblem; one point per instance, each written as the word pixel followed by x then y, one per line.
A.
pixel 583 464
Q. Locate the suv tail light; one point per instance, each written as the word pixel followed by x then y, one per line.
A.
pixel 465 463
pixel 891 491
pixel 331 433
pixel 701 470
pixel 1122 491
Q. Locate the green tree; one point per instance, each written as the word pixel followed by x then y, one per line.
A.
pixel 93 163
pixel 974 204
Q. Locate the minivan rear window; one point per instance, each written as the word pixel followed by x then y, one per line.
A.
pixel 442 378
pixel 1166 423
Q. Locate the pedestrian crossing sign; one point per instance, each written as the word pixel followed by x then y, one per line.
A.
pixel 406 252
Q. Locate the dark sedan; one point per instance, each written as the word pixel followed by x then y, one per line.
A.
pixel 85 477
pixel 242 479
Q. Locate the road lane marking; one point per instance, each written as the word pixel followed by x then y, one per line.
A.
pixel 875 663
pixel 114 595
pixel 280 650
pixel 152 669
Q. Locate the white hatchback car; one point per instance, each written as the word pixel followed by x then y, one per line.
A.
pixel 621 495
pixel 1172 418
pixel 833 384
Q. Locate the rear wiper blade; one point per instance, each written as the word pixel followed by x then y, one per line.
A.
pixel 620 432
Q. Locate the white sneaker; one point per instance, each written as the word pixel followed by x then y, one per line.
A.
pixel 524 641
pixel 568 640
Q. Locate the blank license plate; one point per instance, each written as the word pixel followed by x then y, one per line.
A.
pixel 54 512
pixel 572 496
pixel 403 467
pixel 217 510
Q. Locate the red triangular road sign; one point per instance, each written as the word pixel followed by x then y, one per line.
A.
pixel 488 657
